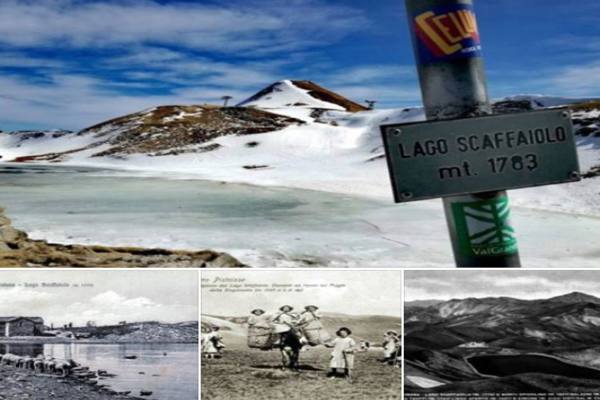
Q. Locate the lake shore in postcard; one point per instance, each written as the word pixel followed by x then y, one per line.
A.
pixel 19 384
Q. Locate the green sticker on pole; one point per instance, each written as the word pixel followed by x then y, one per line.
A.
pixel 483 228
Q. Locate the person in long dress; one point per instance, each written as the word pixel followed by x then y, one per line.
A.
pixel 390 347
pixel 260 329
pixel 212 343
pixel 306 318
pixel 310 313
pixel 342 355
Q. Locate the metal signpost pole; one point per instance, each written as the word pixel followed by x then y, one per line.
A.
pixel 451 74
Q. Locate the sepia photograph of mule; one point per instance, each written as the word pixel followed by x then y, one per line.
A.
pixel 306 334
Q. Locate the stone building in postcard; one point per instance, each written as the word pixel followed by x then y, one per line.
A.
pixel 21 326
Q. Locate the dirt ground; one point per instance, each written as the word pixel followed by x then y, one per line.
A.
pixel 254 374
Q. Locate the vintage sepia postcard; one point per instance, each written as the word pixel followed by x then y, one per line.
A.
pixel 305 334
pixel 99 335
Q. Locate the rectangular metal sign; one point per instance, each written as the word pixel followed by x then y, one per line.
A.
pixel 497 152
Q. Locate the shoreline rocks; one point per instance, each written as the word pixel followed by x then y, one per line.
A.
pixel 18 250
pixel 20 384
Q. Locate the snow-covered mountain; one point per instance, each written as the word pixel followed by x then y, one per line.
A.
pixel 542 101
pixel 159 131
pixel 292 133
pixel 300 98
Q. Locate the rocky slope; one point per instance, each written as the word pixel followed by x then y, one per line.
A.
pixel 166 130
pixel 564 321
pixel 585 113
pixel 19 384
pixel 178 129
pixel 17 250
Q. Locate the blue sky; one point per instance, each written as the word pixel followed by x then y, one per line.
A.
pixel 70 64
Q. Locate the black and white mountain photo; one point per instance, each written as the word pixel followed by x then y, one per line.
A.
pixel 502 332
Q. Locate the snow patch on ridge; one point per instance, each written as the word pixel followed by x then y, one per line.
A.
pixel 285 96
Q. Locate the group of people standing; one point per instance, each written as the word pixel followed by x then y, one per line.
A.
pixel 211 343
pixel 286 321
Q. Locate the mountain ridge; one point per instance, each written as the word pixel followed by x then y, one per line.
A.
pixel 438 347
pixel 276 141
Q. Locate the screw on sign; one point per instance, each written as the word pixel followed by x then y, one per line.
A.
pixel 462 153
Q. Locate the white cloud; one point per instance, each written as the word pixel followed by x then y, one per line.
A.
pixel 136 47
pixel 238 27
pixel 110 307
pixel 15 59
pixel 392 93
pixel 422 285
pixel 146 53
pixel 77 101
pixel 576 80
pixel 385 83
pixel 114 300
pixel 19 298
pixel 169 66
pixel 373 73
pixel 104 296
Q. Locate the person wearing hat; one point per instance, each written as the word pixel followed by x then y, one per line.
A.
pixel 260 329
pixel 258 319
pixel 309 315
pixel 342 355
pixel 391 341
pixel 285 321
pixel 310 318
pixel 285 316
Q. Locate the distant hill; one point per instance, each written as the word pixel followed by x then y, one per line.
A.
pixel 366 327
pixel 421 303
pixel 142 332
pixel 172 130
pixel 293 133
pixel 160 131
pixel 565 320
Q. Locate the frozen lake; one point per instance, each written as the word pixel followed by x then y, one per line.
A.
pixel 263 226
